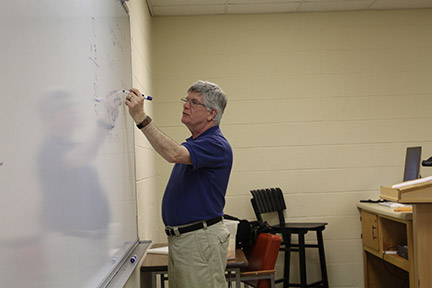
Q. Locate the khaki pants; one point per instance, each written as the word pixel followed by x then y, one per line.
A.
pixel 198 259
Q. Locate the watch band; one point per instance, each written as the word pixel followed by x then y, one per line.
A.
pixel 144 123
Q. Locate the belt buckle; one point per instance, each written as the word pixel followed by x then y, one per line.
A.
pixel 176 231
pixel 173 231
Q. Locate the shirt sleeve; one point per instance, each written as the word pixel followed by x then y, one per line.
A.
pixel 206 153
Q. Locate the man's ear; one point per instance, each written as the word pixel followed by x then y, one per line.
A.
pixel 211 114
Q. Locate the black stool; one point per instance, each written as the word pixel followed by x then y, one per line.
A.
pixel 272 200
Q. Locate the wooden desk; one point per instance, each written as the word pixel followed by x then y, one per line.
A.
pixel 155 264
pixel 382 230
pixel 418 193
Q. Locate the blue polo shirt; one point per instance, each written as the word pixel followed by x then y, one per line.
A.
pixel 197 192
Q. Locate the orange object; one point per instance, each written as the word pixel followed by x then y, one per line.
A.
pixel 262 260
pixel 403 209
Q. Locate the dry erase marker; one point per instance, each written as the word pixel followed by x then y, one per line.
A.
pixel 133 259
pixel 145 96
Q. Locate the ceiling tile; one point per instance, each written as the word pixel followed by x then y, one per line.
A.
pixel 185 2
pixel 340 5
pixel 268 2
pixel 189 10
pixel 209 7
pixel 262 8
pixel 401 4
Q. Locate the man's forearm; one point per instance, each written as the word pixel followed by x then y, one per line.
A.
pixel 165 146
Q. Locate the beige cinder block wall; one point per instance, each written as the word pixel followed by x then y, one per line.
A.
pixel 322 105
pixel 145 157
pixel 146 179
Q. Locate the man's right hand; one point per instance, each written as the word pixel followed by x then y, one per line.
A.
pixel 135 102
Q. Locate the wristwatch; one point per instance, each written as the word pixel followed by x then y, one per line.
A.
pixel 144 123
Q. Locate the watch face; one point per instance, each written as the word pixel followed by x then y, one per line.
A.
pixel 144 123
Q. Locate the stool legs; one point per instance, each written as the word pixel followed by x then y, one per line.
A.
pixel 301 249
pixel 322 259
pixel 302 258
pixel 287 259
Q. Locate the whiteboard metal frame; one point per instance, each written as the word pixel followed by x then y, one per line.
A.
pixel 124 269
pixel 121 274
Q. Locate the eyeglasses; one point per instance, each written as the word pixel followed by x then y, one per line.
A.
pixel 192 102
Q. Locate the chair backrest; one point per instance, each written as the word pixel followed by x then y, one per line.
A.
pixel 268 200
pixel 263 255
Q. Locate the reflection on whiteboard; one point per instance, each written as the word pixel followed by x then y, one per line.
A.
pixel 74 207
pixel 67 182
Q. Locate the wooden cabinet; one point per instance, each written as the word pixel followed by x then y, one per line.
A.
pixel 370 230
pixel 382 230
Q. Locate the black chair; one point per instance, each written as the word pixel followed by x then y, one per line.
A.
pixel 272 200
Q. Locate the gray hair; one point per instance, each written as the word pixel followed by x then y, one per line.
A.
pixel 213 96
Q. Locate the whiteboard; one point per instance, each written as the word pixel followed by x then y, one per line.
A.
pixel 67 180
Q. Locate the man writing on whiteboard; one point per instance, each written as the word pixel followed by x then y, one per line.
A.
pixel 193 202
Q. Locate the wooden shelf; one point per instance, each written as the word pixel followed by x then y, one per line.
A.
pixel 396 260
